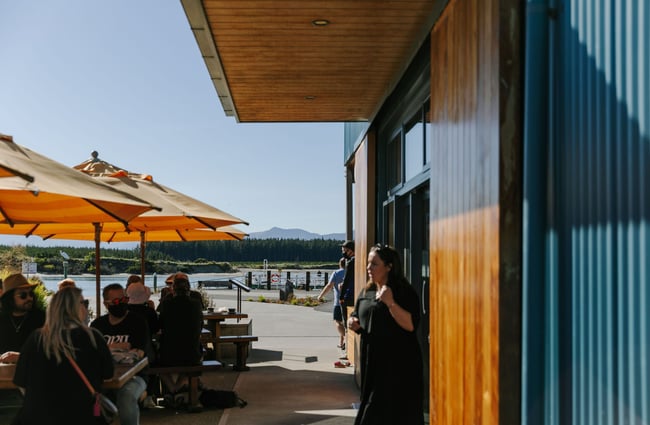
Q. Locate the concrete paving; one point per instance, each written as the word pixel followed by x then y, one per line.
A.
pixel 292 378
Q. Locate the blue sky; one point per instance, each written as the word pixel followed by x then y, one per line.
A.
pixel 125 78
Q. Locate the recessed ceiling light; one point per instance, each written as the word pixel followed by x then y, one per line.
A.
pixel 320 22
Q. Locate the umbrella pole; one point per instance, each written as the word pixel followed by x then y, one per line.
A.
pixel 98 272
pixel 142 248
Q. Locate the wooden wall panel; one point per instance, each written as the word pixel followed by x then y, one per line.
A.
pixel 364 224
pixel 364 207
pixel 465 211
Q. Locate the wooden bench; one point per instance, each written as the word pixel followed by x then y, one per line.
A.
pixel 242 342
pixel 193 373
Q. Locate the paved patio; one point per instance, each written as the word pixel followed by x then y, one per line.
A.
pixel 281 386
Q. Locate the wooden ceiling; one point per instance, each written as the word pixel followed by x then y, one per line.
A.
pixel 270 63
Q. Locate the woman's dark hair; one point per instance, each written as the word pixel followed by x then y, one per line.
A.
pixel 390 257
pixel 7 301
pixel 110 287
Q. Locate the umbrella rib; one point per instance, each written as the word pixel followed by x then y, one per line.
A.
pixel 234 236
pixel 32 230
pixel 181 236
pixel 19 174
pixel 203 223
pixel 7 218
pixel 120 219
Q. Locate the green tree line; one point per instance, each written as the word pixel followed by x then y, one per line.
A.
pixel 167 257
pixel 250 250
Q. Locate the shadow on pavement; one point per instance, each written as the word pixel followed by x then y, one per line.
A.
pixel 279 396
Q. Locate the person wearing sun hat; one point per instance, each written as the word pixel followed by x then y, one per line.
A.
pixel 139 303
pixel 19 317
pixel 167 291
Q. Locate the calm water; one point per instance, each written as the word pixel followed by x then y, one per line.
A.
pixel 87 282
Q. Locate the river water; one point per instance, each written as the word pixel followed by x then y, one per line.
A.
pixel 87 282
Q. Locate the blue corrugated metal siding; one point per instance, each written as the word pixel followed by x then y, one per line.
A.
pixel 602 147
pixel 596 315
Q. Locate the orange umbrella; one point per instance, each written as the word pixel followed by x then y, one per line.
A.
pixel 57 193
pixel 179 216
pixel 229 233
pixel 177 210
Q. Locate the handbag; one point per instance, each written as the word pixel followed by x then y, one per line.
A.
pixel 103 406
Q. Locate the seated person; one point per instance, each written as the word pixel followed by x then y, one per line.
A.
pixel 181 321
pixel 19 317
pixel 134 278
pixel 168 291
pixel 65 283
pixel 127 336
pixel 139 295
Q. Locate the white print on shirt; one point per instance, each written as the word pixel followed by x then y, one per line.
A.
pixel 116 339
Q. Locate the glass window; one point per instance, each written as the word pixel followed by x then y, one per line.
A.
pixel 427 132
pixel 414 147
pixel 394 161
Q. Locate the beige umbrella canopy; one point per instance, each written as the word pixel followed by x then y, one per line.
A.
pixel 178 214
pixel 6 171
pixel 58 194
pixel 177 210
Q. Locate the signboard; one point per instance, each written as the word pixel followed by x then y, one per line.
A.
pixel 29 267
pixel 275 278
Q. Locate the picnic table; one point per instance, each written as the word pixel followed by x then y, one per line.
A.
pixel 213 320
pixel 122 373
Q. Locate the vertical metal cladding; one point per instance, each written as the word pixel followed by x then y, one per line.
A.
pixel 600 141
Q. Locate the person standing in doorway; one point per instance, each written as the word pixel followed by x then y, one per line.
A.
pixel 347 286
pixel 386 316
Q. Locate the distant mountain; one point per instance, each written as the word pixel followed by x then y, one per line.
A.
pixel 278 233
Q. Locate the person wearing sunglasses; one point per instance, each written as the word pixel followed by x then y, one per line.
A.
pixel 127 336
pixel 20 316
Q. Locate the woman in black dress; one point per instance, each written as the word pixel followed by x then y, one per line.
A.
pixel 386 316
